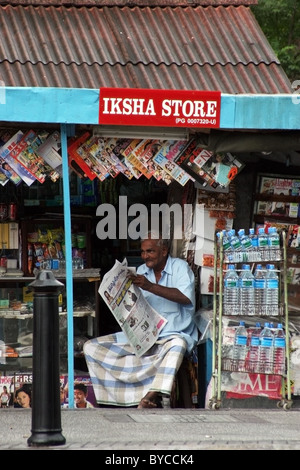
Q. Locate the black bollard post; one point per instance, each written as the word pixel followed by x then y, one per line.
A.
pixel 46 412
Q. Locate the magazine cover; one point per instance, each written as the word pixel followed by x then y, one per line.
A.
pixel 157 171
pixel 145 152
pixel 121 145
pixel 84 151
pixel 3 178
pixel 214 169
pixel 8 173
pixel 185 160
pixel 142 156
pixel 12 164
pixel 49 150
pixel 38 144
pixel 75 157
pixel 292 235
pixel 245 385
pixel 264 208
pixel 105 160
pixel 126 153
pixel 173 148
pixel 275 186
pixel 168 151
pixel 78 379
pixel 117 165
pixel 9 384
pixel 170 167
pixel 90 151
pixel 133 152
pixel 293 210
pixel 24 153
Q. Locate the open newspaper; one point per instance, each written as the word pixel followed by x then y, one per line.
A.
pixel 138 320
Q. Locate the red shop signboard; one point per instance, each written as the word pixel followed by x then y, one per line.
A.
pixel 167 108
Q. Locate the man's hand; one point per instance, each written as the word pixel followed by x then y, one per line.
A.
pixel 142 282
pixel 170 293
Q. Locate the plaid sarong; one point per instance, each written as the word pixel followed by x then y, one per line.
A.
pixel 121 378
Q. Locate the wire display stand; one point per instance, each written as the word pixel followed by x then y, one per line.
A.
pixel 221 363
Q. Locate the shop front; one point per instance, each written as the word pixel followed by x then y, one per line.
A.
pixel 181 116
pixel 133 84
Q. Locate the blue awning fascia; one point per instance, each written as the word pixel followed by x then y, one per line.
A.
pixel 49 105
pixel 81 106
pixel 260 112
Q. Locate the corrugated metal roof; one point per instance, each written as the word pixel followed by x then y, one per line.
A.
pixel 131 3
pixel 193 47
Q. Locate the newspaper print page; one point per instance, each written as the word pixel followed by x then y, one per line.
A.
pixel 138 320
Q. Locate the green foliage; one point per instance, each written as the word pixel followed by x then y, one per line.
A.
pixel 289 57
pixel 280 22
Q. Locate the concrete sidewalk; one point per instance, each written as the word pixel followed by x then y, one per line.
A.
pixel 120 429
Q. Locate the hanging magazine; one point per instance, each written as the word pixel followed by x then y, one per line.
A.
pixel 165 159
pixel 90 151
pixel 207 167
pixel 127 154
pixel 121 145
pixel 16 169
pixel 26 153
pixel 73 156
pixel 49 150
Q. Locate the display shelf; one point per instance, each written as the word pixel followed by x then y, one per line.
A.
pixel 18 315
pixel 42 238
pixel 221 362
pixel 92 274
pixel 16 322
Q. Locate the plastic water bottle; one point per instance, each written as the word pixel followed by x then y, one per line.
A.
pixel 274 244
pixel 279 350
pixel 263 244
pixel 260 290
pixel 236 246
pixel 255 256
pixel 227 248
pixel 263 247
pixel 246 291
pixel 266 350
pixel 253 353
pixel 240 348
pixel 272 290
pixel 231 291
pixel 272 328
pixel 246 244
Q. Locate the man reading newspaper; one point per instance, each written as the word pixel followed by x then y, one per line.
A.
pixel 136 367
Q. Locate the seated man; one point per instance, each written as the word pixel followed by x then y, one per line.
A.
pixel 121 378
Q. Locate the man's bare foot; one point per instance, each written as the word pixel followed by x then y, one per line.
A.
pixel 150 400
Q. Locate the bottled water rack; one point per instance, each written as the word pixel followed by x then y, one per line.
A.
pixel 251 367
pixel 220 360
pixel 250 257
pixel 271 310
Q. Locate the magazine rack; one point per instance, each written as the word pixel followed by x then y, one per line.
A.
pixel 277 203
